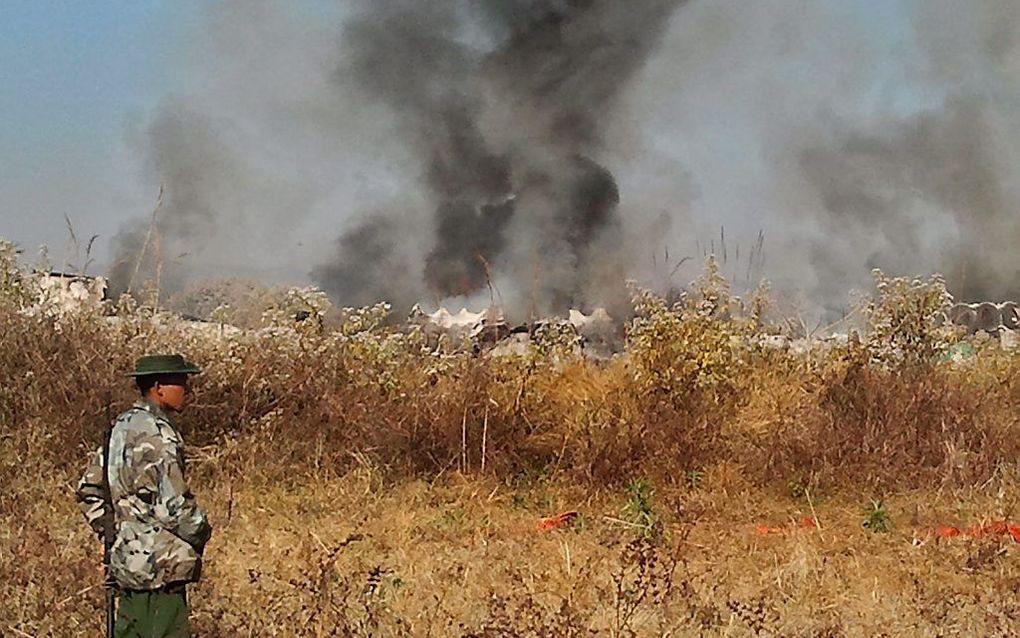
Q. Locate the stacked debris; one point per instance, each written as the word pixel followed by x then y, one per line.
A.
pixel 598 336
pixel 985 317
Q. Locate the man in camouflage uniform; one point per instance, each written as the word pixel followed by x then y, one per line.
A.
pixel 160 529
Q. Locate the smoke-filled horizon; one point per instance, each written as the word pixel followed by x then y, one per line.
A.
pixel 417 152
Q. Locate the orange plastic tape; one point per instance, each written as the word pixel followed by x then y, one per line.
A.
pixel 1000 528
pixel 805 522
pixel 556 522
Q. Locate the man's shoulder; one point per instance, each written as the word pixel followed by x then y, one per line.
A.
pixel 136 418
pixel 139 422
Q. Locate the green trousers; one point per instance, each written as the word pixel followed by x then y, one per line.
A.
pixel 162 613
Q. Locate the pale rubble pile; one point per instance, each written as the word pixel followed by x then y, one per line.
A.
pixel 62 294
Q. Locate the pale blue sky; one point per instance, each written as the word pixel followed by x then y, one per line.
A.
pixel 71 69
pixel 73 75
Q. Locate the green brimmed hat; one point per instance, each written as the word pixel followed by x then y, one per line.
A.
pixel 163 364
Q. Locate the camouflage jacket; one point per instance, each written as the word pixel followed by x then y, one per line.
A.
pixel 161 530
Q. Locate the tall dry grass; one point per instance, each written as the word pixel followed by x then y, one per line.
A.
pixel 696 398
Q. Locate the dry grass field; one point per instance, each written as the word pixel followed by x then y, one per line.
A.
pixel 362 485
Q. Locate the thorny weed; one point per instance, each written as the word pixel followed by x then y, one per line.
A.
pixel 644 580
pixel 758 614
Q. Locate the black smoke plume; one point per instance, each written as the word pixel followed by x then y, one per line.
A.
pixel 504 103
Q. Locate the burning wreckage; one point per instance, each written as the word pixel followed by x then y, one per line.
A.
pixel 598 336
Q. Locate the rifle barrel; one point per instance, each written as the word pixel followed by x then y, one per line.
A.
pixel 108 527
